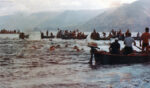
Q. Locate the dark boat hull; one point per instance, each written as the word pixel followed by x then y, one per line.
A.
pixel 101 39
pixel 42 37
pixel 109 59
pixel 23 36
pixel 135 38
pixel 67 37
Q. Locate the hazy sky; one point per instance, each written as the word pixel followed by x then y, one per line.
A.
pixel 12 6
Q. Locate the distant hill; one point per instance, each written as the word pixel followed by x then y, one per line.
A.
pixel 70 19
pixel 25 21
pixel 135 16
pixel 47 20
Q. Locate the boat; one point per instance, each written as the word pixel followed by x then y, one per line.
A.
pixel 83 37
pixel 107 38
pixel 136 38
pixel 4 31
pixel 105 58
pixel 42 37
pixel 68 37
pixel 47 36
pixel 23 36
pixel 100 38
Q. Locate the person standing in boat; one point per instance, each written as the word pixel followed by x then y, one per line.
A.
pixel 145 40
pixel 115 47
pixel 128 44
pixel 47 33
pixel 93 47
pixel 42 35
pixel 51 34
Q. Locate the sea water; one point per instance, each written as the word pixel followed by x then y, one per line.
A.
pixel 29 63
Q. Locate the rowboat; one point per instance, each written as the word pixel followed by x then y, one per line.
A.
pixel 68 37
pixel 101 38
pixel 23 36
pixel 106 58
pixel 107 38
pixel 42 37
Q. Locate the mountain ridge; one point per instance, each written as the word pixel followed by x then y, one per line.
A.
pixel 133 16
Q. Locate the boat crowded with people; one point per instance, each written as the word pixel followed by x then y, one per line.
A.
pixel 5 31
pixel 112 34
pixel 65 34
pixel 125 56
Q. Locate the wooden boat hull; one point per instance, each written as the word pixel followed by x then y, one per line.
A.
pixel 42 37
pixel 23 36
pixel 109 59
pixel 135 38
pixel 101 39
pixel 67 37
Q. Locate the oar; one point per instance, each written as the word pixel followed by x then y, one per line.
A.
pixel 138 47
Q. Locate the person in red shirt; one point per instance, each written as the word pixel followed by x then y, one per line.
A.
pixel 145 40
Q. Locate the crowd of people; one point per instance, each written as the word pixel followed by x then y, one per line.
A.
pixel 66 34
pixel 4 31
pixel 112 34
pixel 128 41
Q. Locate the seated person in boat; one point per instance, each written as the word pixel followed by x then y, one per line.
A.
pixel 128 44
pixel 104 34
pixel 42 34
pixel 95 35
pixel 145 40
pixel 47 33
pixel 127 32
pixel 22 35
pixel 138 35
pixel 51 34
pixel 115 47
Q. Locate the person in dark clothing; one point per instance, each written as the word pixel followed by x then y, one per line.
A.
pixel 42 35
pixel 22 35
pixel 93 49
pixel 115 47
pixel 47 33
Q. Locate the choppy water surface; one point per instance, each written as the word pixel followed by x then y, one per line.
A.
pixel 30 64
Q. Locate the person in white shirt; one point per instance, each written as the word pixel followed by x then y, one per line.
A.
pixel 128 44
